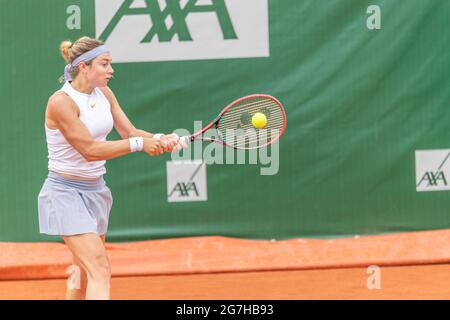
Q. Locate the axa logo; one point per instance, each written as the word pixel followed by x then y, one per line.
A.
pixel 186 181
pixel 432 170
pixel 433 179
pixel 162 30
pixel 182 189
pixel 175 14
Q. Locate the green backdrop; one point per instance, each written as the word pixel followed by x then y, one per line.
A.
pixel 359 102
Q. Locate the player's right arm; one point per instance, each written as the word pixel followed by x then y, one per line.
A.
pixel 64 113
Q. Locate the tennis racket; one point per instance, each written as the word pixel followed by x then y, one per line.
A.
pixel 235 124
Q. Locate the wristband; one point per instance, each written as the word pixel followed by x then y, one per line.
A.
pixel 157 136
pixel 136 144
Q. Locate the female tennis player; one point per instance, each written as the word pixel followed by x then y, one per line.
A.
pixel 74 201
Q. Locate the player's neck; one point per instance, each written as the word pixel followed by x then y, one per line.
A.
pixel 82 86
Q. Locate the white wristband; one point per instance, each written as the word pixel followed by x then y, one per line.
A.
pixel 136 144
pixel 157 136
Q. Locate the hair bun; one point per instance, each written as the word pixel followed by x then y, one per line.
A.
pixel 64 48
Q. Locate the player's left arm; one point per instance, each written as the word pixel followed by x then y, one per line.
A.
pixel 124 126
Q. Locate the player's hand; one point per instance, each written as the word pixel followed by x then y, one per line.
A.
pixel 153 147
pixel 169 141
pixel 182 143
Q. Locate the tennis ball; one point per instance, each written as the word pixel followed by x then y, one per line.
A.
pixel 259 120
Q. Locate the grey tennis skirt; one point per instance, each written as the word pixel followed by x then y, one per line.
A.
pixel 68 207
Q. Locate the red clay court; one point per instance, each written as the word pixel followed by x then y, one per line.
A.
pixel 412 266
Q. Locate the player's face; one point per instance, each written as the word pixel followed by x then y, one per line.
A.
pixel 100 71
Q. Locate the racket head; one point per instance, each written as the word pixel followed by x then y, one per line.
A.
pixel 234 124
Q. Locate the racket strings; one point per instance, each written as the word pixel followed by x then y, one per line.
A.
pixel 236 129
pixel 259 137
pixel 243 133
pixel 252 143
pixel 233 118
pixel 237 114
pixel 258 103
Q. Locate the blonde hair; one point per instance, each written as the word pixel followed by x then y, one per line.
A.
pixel 70 51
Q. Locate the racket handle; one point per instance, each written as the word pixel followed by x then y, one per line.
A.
pixel 185 140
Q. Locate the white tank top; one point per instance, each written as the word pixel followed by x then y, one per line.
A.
pixel 95 113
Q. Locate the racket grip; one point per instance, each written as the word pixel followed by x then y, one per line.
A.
pixel 186 140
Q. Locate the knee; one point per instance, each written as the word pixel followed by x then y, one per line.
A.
pixel 101 270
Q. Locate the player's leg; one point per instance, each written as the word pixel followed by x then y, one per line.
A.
pixel 92 256
pixel 103 238
pixel 77 284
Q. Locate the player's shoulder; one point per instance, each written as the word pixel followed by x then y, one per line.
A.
pixel 60 102
pixel 59 97
pixel 107 92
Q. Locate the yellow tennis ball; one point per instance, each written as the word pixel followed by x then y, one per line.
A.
pixel 259 120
